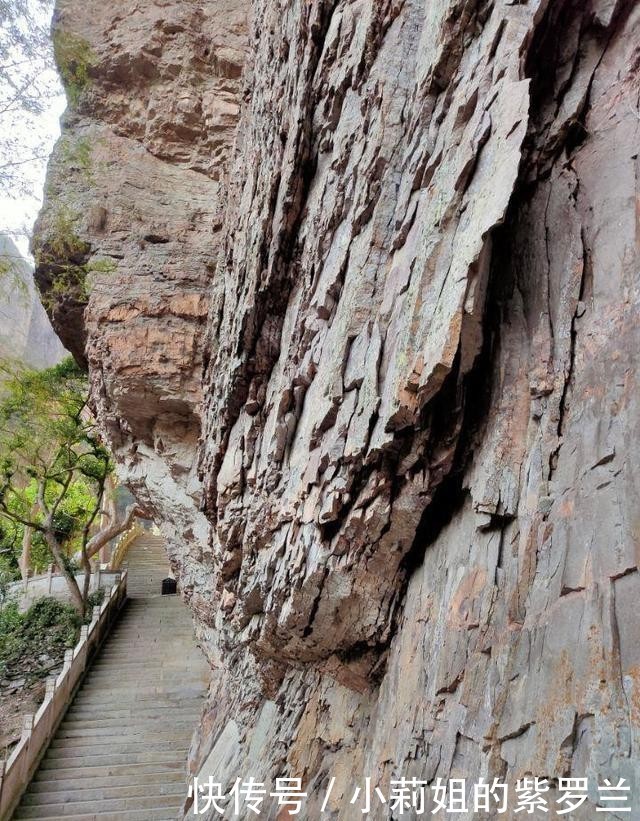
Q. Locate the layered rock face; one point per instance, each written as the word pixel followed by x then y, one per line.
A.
pixel 418 249
pixel 128 237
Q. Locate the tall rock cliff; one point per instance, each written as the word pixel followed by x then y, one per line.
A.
pixel 357 285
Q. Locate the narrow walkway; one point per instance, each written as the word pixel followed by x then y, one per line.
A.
pixel 120 752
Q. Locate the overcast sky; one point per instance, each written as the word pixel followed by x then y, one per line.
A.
pixel 18 215
pixel 35 134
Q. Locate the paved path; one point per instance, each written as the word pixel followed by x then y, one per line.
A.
pixel 120 753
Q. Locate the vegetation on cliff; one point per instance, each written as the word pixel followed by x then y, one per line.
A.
pixel 74 59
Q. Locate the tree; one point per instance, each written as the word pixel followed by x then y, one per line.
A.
pixel 54 467
pixel 31 101
pixel 28 83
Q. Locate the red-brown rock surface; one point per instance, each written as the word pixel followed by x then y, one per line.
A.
pixel 414 227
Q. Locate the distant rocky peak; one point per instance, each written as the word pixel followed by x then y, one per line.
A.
pixel 25 331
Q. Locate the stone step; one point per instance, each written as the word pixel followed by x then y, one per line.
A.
pixel 190 677
pixel 154 632
pixel 77 713
pixel 73 773
pixel 93 781
pixel 166 703
pixel 153 654
pixel 161 678
pixel 164 676
pixel 50 762
pixel 134 726
pixel 132 716
pixel 151 639
pixel 166 700
pixel 155 649
pixel 115 731
pixel 86 746
pixel 131 815
pixel 153 802
pixel 157 655
pixel 125 673
pixel 100 793
pixel 154 618
pixel 167 693
pixel 183 689
pixel 131 666
pixel 171 695
pixel 109 745
pixel 160 620
pixel 81 753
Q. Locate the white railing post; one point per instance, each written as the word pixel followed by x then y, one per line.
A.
pixel 64 673
pixel 3 767
pixel 50 688
pixel 27 726
pixel 27 729
pixel 49 694
pixel 82 649
pixel 15 773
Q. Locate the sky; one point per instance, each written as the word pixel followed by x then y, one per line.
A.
pixel 32 134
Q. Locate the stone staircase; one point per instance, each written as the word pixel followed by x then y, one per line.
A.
pixel 121 750
pixel 148 566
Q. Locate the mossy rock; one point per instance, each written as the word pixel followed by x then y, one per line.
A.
pixel 74 58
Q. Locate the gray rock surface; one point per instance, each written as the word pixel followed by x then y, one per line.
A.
pixel 26 334
pixel 417 425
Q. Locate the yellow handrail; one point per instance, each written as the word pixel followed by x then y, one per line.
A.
pixel 123 544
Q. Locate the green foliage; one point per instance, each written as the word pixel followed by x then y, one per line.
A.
pixel 63 242
pixel 53 465
pixel 65 255
pixel 94 599
pixel 76 154
pixel 74 58
pixel 48 628
pixel 41 556
pixel 71 281
pixel 7 576
pixel 11 276
pixel 37 409
pixel 10 546
pixel 69 520
pixel 102 266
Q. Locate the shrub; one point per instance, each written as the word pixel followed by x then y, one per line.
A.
pixel 76 154
pixel 94 599
pixel 74 58
pixel 66 256
pixel 47 629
